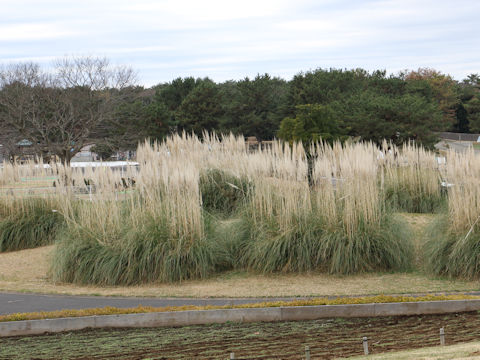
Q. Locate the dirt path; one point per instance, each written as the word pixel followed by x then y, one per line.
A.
pixel 327 338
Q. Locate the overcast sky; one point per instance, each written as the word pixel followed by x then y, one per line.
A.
pixel 224 39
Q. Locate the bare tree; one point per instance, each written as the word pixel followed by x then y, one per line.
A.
pixel 93 73
pixel 58 111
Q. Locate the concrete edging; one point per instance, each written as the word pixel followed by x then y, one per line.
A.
pixel 196 317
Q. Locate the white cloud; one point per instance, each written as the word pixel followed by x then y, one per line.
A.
pixel 207 10
pixel 33 31
pixel 165 39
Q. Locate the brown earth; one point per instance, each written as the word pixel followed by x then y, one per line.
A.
pixel 327 338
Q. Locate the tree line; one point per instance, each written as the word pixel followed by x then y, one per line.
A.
pixel 87 100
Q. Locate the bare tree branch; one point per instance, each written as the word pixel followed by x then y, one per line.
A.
pixel 58 112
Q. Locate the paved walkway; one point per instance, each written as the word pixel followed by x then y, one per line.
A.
pixel 18 302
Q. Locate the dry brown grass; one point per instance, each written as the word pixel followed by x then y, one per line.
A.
pixel 26 270
pixel 25 266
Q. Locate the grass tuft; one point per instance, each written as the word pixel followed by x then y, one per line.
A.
pixel 30 223
pixel 405 200
pixel 221 192
pixel 387 247
pixel 451 253
pixel 149 254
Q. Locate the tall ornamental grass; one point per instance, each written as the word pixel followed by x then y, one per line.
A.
pixel 28 223
pixel 411 179
pixel 196 207
pixel 222 193
pixel 28 217
pixel 156 233
pixel 339 225
pixel 282 231
pixel 453 246
pixel 360 233
pixel 132 254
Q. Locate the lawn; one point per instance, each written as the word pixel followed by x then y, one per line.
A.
pixel 460 351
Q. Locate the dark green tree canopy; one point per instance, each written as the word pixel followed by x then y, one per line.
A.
pixel 324 103
pixel 201 109
pixel 470 103
pixel 312 123
pixel 254 106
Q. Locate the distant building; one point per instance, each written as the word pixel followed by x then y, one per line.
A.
pixel 253 144
pixel 459 136
pixel 85 154
pixel 21 150
pixel 458 142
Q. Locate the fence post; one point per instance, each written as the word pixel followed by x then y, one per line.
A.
pixel 365 345
pixel 232 356
pixel 442 336
pixel 307 352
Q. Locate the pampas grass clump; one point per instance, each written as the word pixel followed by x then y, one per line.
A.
pixel 411 179
pixel 194 207
pixel 453 246
pixel 28 223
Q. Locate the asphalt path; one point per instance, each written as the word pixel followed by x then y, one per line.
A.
pixel 11 303
pixel 20 302
pixel 459 146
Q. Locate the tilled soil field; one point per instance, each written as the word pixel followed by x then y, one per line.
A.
pixel 327 338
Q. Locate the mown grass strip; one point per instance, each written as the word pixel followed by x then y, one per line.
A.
pixel 309 302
